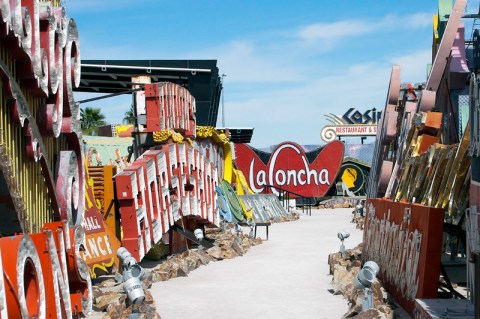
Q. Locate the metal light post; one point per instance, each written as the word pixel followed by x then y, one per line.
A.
pixel 223 101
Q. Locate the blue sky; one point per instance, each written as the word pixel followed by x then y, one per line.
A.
pixel 287 63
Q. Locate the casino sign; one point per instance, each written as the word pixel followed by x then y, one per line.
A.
pixel 352 123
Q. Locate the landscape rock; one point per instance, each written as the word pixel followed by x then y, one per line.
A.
pixel 344 270
pixel 160 276
pixel 370 314
pixel 228 252
pixel 238 248
pixel 203 257
pixel 342 278
pixel 108 283
pixel 145 311
pixel 359 221
pixel 215 252
pixel 102 301
pixel 110 298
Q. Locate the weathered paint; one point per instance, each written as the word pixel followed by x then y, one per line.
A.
pixel 45 275
pixel 164 185
pixel 405 240
pixel 169 106
pixel 39 66
pixel 445 47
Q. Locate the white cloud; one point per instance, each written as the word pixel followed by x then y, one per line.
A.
pixel 243 64
pixel 96 5
pixel 283 83
pixel 242 61
pixel 337 30
pixel 413 66
pixel 419 20
pixel 298 114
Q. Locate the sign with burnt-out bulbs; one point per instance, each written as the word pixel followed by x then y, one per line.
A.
pixel 290 168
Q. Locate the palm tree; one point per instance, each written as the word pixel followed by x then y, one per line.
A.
pixel 129 117
pixel 91 119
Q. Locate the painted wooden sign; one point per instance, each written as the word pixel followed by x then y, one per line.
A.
pixel 288 167
pixel 101 244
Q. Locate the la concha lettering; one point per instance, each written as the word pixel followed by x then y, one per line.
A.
pixel 281 177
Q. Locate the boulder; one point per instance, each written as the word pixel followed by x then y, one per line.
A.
pixel 370 314
pixel 108 283
pixel 160 276
pixel 102 301
pixel 204 257
pixel 145 311
pixel 344 269
pixel 228 252
pixel 237 248
pixel 215 252
pixel 342 278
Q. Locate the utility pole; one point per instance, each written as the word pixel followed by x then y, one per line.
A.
pixel 223 101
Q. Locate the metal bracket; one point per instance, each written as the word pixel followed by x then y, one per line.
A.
pixel 407 215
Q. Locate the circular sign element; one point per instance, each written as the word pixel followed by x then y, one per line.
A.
pixel 352 176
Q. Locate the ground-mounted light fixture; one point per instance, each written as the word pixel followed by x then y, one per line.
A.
pixel 223 223
pixel 364 280
pixel 360 208
pixel 132 276
pixel 199 236
pixel 342 236
pixel 239 232
pixel 251 224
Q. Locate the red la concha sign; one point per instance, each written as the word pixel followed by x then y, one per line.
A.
pixel 289 168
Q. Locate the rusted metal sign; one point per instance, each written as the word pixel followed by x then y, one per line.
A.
pixel 405 240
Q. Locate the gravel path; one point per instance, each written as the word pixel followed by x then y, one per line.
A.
pixel 284 277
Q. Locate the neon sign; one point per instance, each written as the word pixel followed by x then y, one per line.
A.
pixel 368 117
pixel 352 123
pixel 289 168
pixel 43 272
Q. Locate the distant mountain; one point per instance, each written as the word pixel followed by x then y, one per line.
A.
pixel 362 152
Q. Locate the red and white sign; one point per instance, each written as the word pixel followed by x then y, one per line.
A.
pixel 288 168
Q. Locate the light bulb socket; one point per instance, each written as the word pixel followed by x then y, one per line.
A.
pixel 198 233
pixel 123 253
pixel 134 290
pixel 129 262
pixel 363 279
pixel 373 266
